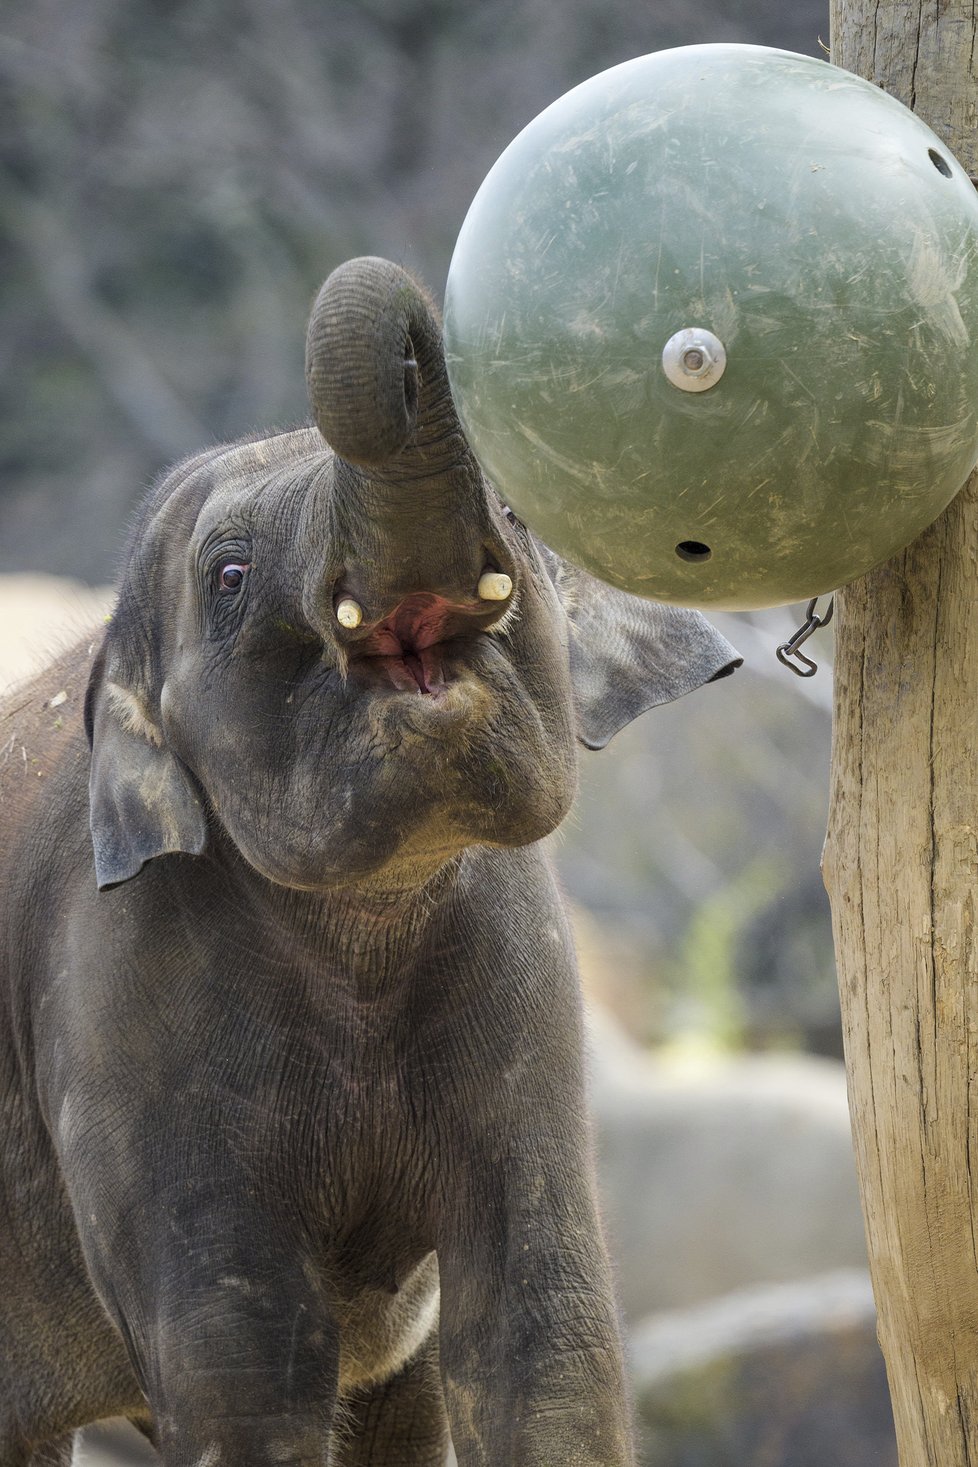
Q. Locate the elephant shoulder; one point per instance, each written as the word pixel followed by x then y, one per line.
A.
pixel 43 750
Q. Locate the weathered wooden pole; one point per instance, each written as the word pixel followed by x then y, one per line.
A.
pixel 901 860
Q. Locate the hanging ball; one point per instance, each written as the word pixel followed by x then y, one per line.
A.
pixel 712 326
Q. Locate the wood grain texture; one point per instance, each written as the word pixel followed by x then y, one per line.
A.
pixel 925 54
pixel 901 860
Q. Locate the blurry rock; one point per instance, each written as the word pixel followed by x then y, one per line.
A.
pixel 784 1376
pixel 41 614
pixel 730 1172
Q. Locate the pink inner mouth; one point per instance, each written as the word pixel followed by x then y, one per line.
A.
pixel 408 645
pixel 415 672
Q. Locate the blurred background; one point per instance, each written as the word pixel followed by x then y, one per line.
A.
pixel 175 181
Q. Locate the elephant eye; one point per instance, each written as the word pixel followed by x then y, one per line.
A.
pixel 232 575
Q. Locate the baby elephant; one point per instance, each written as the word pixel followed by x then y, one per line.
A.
pixel 295 1167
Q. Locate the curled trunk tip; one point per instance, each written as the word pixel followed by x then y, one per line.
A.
pixel 370 327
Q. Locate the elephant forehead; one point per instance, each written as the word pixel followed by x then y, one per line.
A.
pixel 273 475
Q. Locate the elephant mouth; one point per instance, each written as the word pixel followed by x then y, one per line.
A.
pixel 415 672
pixel 410 649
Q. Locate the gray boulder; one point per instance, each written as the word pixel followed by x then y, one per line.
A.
pixel 714 1177
pixel 783 1376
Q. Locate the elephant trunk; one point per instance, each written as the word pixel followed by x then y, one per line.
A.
pixel 409 512
pixel 376 374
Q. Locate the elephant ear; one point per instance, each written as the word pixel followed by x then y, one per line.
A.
pixel 628 655
pixel 142 800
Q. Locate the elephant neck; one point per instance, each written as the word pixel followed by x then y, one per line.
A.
pixel 365 936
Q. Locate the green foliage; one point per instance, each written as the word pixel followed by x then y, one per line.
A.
pixel 706 979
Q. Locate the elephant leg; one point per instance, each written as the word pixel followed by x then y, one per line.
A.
pixel 399 1423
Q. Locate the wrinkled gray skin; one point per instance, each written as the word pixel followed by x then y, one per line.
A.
pixel 312 1038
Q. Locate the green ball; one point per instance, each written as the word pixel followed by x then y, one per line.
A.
pixel 711 326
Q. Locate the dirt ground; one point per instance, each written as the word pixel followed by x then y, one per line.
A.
pixel 41 614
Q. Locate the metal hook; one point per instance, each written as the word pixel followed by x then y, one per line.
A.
pixel 790 649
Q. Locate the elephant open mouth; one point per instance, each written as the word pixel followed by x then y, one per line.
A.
pixel 415 671
pixel 409 646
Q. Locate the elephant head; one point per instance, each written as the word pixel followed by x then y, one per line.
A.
pixel 336 652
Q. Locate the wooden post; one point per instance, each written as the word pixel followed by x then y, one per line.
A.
pixel 901 858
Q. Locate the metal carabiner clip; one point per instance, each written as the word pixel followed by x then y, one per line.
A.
pixel 789 649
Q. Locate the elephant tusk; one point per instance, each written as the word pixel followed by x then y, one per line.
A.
pixel 495 586
pixel 349 613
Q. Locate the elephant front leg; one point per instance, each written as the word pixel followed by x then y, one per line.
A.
pixel 532 1358
pixel 244 1387
pixel 233 1340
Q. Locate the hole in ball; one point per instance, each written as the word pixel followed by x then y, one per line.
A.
pixel 939 162
pixel 693 550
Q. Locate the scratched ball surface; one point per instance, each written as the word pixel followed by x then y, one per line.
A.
pixel 712 326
